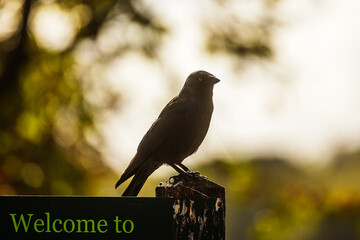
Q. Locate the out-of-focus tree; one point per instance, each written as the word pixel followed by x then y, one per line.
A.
pixel 52 93
pixel 53 55
pixel 48 140
pixel 244 29
pixel 273 199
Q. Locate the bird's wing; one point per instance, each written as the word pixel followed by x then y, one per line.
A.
pixel 174 113
pixel 160 131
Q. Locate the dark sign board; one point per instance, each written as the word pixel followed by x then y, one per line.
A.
pixel 50 217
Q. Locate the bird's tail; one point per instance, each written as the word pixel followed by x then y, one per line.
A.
pixel 118 183
pixel 130 170
pixel 138 180
pixel 135 185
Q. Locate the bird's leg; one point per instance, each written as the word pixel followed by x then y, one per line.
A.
pixel 186 169
pixel 176 168
pixel 188 174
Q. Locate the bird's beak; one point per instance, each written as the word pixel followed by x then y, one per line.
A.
pixel 215 80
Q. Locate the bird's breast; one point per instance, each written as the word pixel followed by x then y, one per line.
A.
pixel 186 138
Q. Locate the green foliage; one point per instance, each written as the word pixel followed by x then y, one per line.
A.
pixel 272 199
pixel 46 117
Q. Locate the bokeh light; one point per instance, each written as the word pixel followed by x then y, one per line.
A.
pixel 53 27
pixel 9 18
pixel 82 81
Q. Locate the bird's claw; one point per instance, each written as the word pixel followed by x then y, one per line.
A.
pixel 192 174
pixel 187 175
pixel 195 173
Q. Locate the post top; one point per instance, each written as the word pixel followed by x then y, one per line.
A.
pixel 183 186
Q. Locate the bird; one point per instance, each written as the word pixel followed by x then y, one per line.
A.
pixel 176 134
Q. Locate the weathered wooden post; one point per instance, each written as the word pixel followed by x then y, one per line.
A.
pixel 199 208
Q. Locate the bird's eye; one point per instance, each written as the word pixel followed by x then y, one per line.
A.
pixel 200 79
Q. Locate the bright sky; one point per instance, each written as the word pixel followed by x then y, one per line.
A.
pixel 303 106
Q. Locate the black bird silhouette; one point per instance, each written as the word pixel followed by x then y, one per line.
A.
pixel 176 134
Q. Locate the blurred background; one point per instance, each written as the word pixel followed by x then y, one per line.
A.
pixel 82 81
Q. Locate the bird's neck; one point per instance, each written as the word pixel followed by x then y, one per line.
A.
pixel 205 96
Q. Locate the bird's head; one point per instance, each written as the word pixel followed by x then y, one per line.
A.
pixel 199 83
